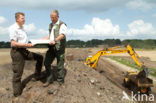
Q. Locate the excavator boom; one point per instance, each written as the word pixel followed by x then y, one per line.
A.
pixel 93 60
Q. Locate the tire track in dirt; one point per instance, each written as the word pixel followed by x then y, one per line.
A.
pixel 115 75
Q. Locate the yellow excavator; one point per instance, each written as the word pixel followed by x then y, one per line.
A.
pixel 136 81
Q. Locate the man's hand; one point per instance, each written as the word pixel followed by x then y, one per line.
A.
pixel 29 45
pixel 20 45
pixel 52 42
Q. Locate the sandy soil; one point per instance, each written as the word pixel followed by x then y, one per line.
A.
pixel 82 84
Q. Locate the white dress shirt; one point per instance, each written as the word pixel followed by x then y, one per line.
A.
pixel 18 34
pixel 63 30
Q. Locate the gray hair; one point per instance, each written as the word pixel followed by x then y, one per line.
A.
pixel 55 12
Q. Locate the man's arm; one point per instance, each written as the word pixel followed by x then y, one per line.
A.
pixel 13 39
pixel 61 36
pixel 63 31
pixel 16 44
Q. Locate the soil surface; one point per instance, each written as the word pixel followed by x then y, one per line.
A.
pixel 82 84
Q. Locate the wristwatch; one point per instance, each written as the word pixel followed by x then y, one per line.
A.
pixel 55 40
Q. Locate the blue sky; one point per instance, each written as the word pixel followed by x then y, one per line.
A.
pixel 90 19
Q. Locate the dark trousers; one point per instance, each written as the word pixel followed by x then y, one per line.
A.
pixel 18 60
pixel 51 54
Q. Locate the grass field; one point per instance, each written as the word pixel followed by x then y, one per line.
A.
pixel 151 54
pixel 132 64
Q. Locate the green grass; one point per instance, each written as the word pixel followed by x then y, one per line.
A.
pixel 132 64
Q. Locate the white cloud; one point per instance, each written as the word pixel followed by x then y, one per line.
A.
pixel 3 30
pixel 104 29
pixel 2 20
pixel 30 27
pixel 154 15
pixel 42 32
pixel 143 5
pixel 139 27
pixel 33 32
pixel 98 27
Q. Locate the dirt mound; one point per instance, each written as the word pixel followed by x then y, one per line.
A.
pixel 82 85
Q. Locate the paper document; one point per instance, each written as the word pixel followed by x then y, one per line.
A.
pixel 40 41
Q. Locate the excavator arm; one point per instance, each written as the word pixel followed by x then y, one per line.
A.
pixel 92 61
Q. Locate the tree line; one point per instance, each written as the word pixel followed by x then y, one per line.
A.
pixel 135 43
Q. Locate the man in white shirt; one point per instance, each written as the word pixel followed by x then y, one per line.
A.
pixel 57 35
pixel 19 53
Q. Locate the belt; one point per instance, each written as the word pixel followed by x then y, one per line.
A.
pixel 18 49
pixel 23 51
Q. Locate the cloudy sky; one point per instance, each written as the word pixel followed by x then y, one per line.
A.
pixel 85 19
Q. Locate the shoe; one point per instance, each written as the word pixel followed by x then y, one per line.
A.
pixel 17 95
pixel 46 84
pixel 36 78
pixel 60 83
pixel 18 99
